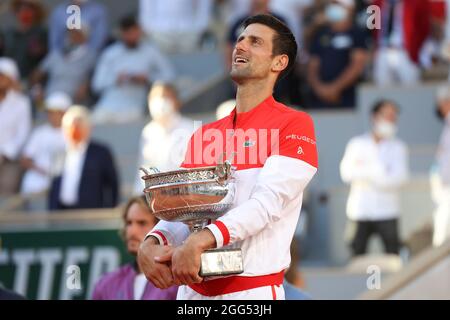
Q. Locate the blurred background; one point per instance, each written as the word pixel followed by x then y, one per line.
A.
pixel 353 54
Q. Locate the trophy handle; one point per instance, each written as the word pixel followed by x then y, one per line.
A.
pixel 153 169
pixel 223 172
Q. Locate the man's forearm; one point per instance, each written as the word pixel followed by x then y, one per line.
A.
pixel 352 73
pixel 204 239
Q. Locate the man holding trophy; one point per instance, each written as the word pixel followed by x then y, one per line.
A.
pixel 229 215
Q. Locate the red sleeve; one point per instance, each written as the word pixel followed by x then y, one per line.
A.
pixel 297 139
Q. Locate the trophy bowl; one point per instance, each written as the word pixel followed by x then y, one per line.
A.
pixel 193 196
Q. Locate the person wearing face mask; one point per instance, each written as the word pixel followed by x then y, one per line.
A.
pixel 26 42
pixel 165 138
pixel 440 178
pixel 88 176
pixel 338 57
pixel 376 166
pixel 124 73
pixel 128 282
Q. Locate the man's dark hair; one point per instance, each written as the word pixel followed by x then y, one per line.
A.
pixel 381 103
pixel 128 22
pixel 283 42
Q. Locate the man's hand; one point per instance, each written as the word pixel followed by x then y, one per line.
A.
pixel 328 92
pixel 186 258
pixel 157 272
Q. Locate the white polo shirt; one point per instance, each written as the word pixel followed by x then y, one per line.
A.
pixel 375 172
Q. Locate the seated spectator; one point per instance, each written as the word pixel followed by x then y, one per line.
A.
pixel 15 125
pixel 26 42
pixel 66 70
pixel 405 25
pixel 124 74
pixel 175 26
pixel 128 282
pixel 45 145
pixel 94 16
pixel 164 140
pixel 338 58
pixel 89 177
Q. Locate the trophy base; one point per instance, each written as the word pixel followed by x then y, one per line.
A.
pixel 221 262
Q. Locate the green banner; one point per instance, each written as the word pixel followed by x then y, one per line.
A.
pixel 62 265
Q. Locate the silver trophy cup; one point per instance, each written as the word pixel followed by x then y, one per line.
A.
pixel 196 197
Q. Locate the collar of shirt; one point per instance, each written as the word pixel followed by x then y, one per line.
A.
pixel 79 149
pixel 242 117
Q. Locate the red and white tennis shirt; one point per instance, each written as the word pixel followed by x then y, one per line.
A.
pixel 273 148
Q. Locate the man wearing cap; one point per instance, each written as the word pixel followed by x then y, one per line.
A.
pixel 15 124
pixel 45 145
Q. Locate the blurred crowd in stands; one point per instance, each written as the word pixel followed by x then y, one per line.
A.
pixel 102 73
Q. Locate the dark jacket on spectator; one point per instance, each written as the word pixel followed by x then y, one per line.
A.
pixel 98 186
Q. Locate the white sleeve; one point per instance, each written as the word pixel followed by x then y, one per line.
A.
pixel 13 147
pixel 396 174
pixel 281 180
pixel 170 233
pixel 351 168
pixel 104 75
pixel 161 69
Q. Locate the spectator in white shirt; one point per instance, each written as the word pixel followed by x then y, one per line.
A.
pixel 45 146
pixel 441 174
pixel 124 74
pixel 176 26
pixel 15 124
pixel 165 138
pixel 376 166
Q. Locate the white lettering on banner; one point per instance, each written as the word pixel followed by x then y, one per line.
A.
pixel 23 259
pixel 104 259
pixel 75 256
pixel 48 259
pixel 73 281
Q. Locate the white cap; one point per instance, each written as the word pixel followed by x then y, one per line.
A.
pixel 346 3
pixel 58 101
pixel 8 67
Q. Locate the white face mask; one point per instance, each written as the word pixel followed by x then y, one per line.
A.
pixel 335 13
pixel 161 108
pixel 385 129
